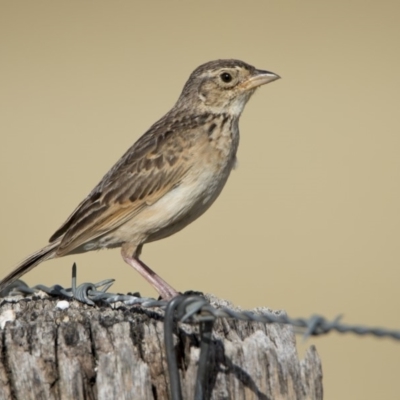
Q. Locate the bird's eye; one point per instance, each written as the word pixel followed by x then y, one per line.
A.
pixel 226 77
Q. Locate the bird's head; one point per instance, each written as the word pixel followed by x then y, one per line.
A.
pixel 222 86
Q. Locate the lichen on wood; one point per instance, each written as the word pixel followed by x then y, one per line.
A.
pixel 85 352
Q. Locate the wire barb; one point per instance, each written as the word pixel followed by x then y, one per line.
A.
pixel 193 309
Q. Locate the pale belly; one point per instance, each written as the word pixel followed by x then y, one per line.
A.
pixel 178 208
pixel 183 204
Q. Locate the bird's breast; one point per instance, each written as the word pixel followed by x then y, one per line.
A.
pixel 212 163
pixel 211 156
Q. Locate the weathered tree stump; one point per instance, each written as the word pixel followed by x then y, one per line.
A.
pixel 106 353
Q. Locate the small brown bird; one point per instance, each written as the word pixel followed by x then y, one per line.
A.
pixel 167 179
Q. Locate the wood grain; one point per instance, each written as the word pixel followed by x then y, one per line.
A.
pixel 88 352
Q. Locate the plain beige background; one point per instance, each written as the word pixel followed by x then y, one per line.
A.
pixel 309 222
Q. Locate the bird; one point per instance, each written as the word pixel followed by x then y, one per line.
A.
pixel 168 178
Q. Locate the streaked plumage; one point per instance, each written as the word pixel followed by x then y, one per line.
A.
pixel 168 178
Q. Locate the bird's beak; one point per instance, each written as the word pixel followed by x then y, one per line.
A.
pixel 260 78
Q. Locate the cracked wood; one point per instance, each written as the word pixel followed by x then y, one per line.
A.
pixel 90 353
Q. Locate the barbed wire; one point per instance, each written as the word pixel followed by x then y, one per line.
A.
pixel 197 308
pixel 193 308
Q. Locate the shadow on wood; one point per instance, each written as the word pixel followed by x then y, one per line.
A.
pixel 86 352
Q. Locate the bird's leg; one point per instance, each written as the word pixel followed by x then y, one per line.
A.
pixel 166 291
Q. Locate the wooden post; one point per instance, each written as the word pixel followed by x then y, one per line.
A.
pixel 106 353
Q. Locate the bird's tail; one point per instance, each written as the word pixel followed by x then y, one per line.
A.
pixel 30 262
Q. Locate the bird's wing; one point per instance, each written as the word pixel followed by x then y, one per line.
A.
pixel 155 164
